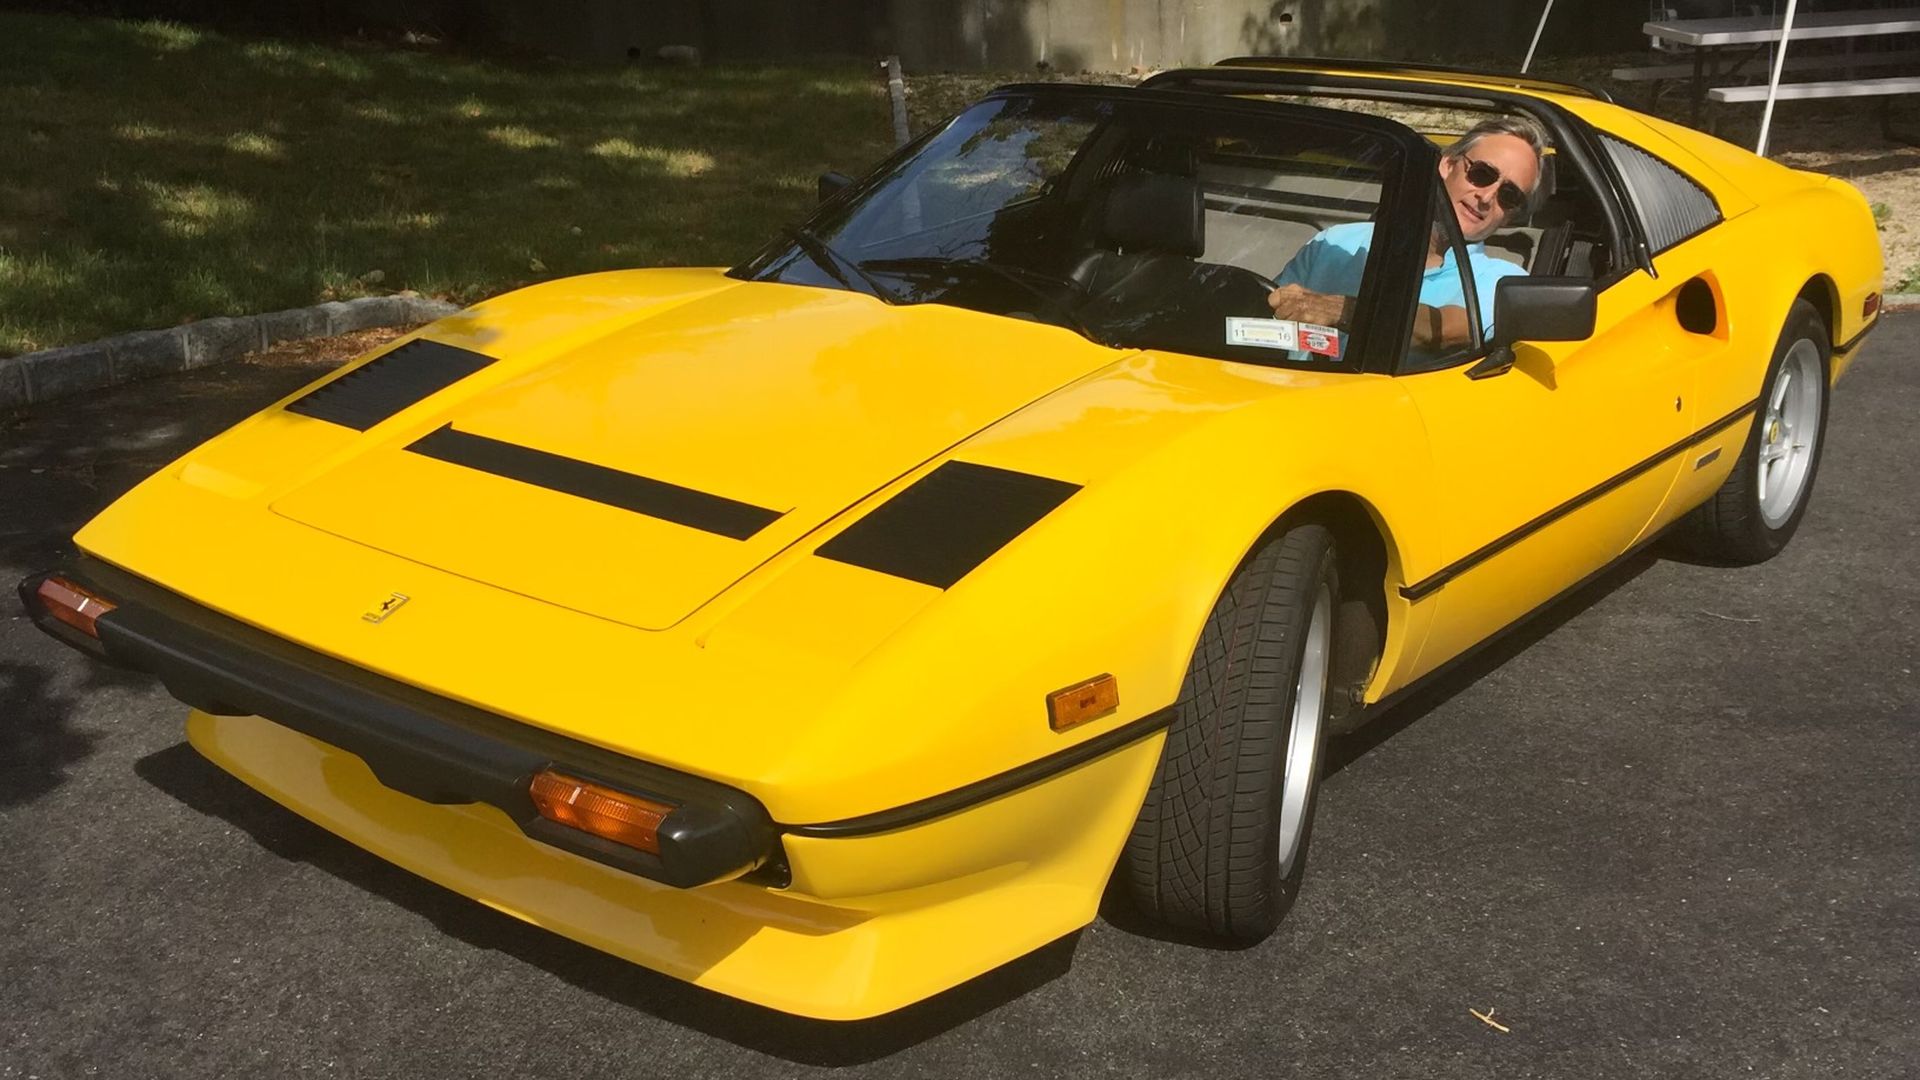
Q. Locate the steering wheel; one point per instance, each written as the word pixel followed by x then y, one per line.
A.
pixel 1231 282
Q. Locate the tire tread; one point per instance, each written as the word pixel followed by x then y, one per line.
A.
pixel 1198 853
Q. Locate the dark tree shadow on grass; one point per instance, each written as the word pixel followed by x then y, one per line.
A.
pixel 170 172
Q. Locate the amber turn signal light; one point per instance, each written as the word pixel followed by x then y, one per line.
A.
pixel 73 604
pixel 1083 701
pixel 600 811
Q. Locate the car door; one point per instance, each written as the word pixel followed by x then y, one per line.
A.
pixel 1554 468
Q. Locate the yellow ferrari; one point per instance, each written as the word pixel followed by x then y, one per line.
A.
pixel 831 629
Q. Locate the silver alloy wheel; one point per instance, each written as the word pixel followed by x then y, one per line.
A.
pixel 1790 429
pixel 1303 737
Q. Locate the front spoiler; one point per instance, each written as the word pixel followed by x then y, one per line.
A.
pixel 435 749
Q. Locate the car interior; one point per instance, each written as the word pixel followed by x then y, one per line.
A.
pixel 1174 208
pixel 1135 230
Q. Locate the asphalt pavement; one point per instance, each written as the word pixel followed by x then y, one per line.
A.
pixel 1670 829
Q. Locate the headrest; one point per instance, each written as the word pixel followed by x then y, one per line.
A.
pixel 1154 212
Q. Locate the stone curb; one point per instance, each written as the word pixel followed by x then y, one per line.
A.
pixel 36 377
pixel 1900 301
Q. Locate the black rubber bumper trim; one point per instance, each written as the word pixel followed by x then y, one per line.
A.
pixel 993 787
pixel 1853 342
pixel 1435 581
pixel 419 743
pixel 598 483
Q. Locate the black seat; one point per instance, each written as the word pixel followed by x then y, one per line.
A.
pixel 1149 225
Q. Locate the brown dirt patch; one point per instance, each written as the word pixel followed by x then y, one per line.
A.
pixel 324 351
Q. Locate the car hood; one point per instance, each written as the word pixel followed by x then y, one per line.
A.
pixel 636 475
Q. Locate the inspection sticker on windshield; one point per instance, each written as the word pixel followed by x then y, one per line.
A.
pixel 1324 340
pixel 1263 333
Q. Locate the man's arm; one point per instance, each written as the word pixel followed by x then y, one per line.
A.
pixel 1435 329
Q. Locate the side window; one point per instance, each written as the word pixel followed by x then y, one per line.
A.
pixel 1265 202
pixel 1670 206
pixel 1450 295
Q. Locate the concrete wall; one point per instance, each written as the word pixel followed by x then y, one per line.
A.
pixel 1069 35
pixel 1120 34
pixel 615 30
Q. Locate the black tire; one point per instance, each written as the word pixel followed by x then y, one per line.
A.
pixel 1734 526
pixel 1206 853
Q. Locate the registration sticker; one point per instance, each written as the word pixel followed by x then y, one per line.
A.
pixel 1263 333
pixel 1324 340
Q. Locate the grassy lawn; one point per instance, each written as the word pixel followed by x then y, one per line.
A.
pixel 158 173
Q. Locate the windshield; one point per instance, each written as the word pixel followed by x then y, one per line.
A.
pixel 1135 222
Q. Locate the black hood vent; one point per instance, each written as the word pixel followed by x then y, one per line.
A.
pixel 375 391
pixel 947 522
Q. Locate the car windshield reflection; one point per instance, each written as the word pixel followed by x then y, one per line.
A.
pixel 1132 222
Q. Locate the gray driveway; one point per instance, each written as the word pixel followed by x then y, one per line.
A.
pixel 1672 828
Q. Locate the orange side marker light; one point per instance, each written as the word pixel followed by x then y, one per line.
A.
pixel 73 604
pixel 1083 701
pixel 600 811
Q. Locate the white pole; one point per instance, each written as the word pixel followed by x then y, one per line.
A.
pixel 1773 84
pixel 1528 62
pixel 897 94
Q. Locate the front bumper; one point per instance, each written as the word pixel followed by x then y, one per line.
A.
pixel 873 917
pixel 433 748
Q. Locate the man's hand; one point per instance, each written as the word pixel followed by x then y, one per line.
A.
pixel 1307 306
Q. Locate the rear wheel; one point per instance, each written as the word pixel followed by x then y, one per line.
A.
pixel 1221 843
pixel 1756 511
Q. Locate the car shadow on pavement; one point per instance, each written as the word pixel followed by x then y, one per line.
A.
pixel 180 772
pixel 1440 687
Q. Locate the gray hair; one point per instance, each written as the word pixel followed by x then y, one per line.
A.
pixel 1521 127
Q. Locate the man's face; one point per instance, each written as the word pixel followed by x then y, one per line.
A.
pixel 1496 160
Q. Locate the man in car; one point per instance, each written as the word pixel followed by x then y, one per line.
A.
pixel 1490 175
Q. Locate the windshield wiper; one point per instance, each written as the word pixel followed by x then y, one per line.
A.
pixel 1023 278
pixel 837 264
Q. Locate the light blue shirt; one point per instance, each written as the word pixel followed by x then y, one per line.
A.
pixel 1334 261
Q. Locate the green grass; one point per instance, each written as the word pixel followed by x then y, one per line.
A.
pixel 158 173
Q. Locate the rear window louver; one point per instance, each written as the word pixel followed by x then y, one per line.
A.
pixel 374 391
pixel 1671 206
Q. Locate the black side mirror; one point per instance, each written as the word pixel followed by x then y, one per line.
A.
pixel 1536 309
pixel 833 183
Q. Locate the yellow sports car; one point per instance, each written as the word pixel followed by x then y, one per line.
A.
pixel 829 630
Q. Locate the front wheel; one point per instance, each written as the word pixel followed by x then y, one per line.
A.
pixel 1756 511
pixel 1221 842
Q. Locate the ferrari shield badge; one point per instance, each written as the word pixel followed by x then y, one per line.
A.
pixel 380 611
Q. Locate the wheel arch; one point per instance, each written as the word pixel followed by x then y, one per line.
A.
pixel 1364 547
pixel 1824 295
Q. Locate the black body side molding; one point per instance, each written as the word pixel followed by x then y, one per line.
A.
pixel 1434 582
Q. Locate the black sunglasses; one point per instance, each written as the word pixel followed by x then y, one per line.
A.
pixel 1482 175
